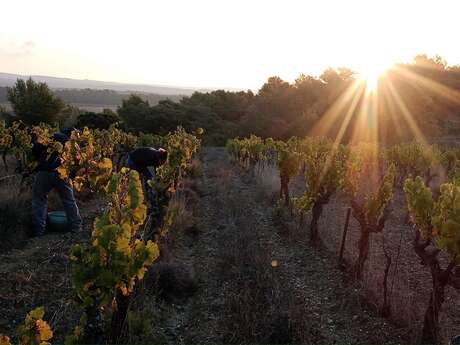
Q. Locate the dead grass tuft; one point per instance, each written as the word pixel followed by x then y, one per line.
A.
pixel 171 281
pixel 220 172
pixel 195 169
pixel 182 215
pixel 15 214
pixel 267 182
pixel 256 306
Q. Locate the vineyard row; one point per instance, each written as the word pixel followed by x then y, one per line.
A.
pixel 369 176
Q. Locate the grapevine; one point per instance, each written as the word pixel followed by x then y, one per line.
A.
pixel 106 271
pixel 370 201
pixel 181 147
pixel 34 330
pixel 437 228
pixel 414 159
pixel 323 174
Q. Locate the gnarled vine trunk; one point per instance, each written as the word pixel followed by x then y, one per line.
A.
pixel 440 278
pixel 284 189
pixel 363 246
pixel 366 228
pixel 317 210
pixel 430 333
pixel 118 326
pixel 386 307
pixel 5 164
pixel 93 330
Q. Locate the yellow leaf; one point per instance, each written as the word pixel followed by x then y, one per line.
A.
pixel 153 250
pixel 25 339
pixel 63 173
pixel 44 330
pixel 4 340
pixel 140 274
pixel 105 164
pixel 78 183
pixel 140 213
pixel 123 245
pixel 126 229
pixel 37 313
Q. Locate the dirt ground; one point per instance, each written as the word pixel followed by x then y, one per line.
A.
pixel 37 274
pixel 256 280
pixel 409 281
pixel 239 251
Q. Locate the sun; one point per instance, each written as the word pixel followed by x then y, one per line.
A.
pixel 372 72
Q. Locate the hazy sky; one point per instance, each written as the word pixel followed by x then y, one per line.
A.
pixel 219 43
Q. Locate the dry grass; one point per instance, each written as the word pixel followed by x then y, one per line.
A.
pixel 181 213
pixel 168 278
pixel 222 173
pixel 16 210
pixel 15 217
pixel 257 308
pixel 179 217
pixel 267 181
pixel 195 169
pixel 171 281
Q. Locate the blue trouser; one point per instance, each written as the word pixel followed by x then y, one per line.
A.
pixel 45 181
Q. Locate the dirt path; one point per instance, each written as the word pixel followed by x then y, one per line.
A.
pixel 258 283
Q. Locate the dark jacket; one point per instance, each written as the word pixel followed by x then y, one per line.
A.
pixel 146 157
pixel 46 161
pixel 142 158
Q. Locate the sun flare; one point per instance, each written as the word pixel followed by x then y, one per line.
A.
pixel 372 73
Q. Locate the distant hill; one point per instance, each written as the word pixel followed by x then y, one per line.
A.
pixel 96 100
pixel 94 95
pixel 8 79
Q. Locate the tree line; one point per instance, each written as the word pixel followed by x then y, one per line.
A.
pixel 423 94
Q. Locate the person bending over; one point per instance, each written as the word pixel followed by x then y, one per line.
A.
pixel 142 158
pixel 46 179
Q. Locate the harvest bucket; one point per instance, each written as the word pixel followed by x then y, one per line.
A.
pixel 57 221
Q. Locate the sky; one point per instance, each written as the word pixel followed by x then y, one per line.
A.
pixel 220 43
